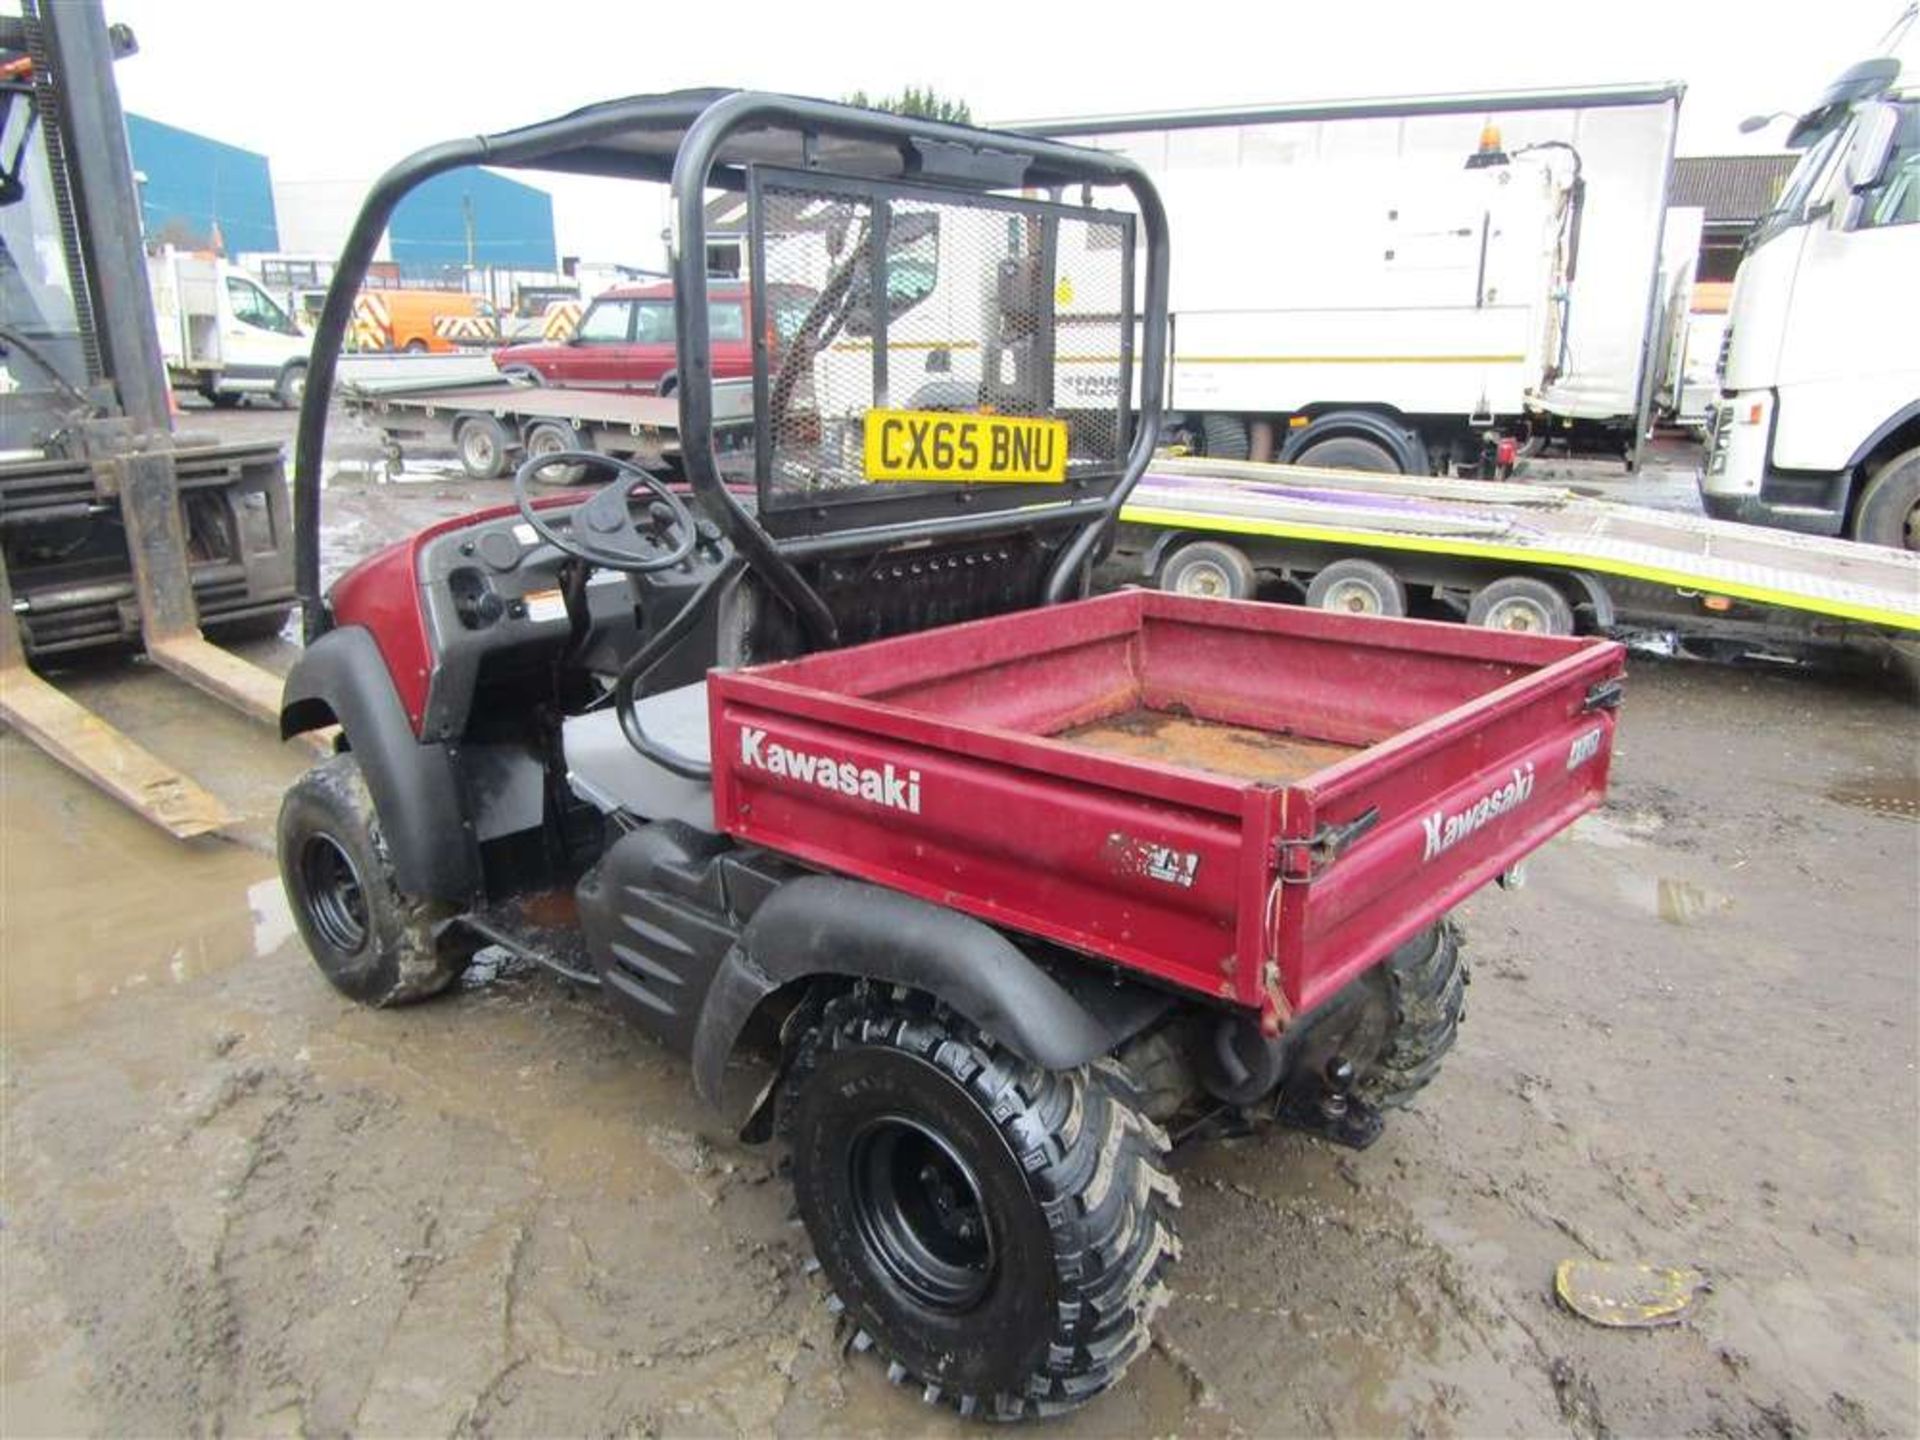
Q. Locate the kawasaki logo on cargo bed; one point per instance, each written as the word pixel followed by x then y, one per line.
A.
pixel 1445 831
pixel 882 785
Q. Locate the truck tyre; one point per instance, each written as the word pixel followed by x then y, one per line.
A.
pixel 550 437
pixel 524 375
pixel 1889 512
pixel 483 443
pixel 291 388
pixel 669 382
pixel 1358 587
pixel 1426 983
pixel 223 399
pixel 373 943
pixel 1349 452
pixel 1223 437
pixel 1210 569
pixel 998 1232
pixel 1523 604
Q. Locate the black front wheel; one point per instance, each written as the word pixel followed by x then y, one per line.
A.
pixel 372 942
pixel 996 1231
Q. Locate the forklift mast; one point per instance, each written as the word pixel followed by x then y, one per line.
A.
pixel 97 497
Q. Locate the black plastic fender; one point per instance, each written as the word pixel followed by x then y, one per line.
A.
pixel 1401 441
pixel 341 678
pixel 825 925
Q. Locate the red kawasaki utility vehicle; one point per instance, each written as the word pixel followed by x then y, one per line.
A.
pixel 625 339
pixel 1007 883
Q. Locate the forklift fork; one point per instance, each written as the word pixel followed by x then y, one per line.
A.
pixel 128 449
pixel 82 741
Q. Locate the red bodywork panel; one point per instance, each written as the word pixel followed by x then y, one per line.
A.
pixel 382 594
pixel 1209 742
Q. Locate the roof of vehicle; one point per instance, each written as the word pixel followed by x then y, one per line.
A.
pixel 638 137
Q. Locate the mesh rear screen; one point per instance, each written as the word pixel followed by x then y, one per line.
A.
pixel 871 298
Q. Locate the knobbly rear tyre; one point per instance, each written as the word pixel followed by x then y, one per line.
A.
pixel 1425 994
pixel 998 1233
pixel 372 942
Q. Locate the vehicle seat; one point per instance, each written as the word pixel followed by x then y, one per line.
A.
pixel 604 770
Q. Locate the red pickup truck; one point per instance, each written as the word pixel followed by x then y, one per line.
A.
pixel 625 339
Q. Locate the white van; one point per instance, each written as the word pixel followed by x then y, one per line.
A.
pixel 222 335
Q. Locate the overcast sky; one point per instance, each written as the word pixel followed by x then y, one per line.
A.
pixel 337 89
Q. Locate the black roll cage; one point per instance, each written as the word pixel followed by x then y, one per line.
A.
pixel 698 140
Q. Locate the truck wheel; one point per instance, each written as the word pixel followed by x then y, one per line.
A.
pixel 997 1231
pixel 1358 587
pixel 1210 569
pixel 550 437
pixel 371 942
pixel 483 443
pixel 1224 437
pixel 1889 512
pixel 1523 604
pixel 1426 982
pixel 524 375
pixel 223 399
pixel 1349 452
pixel 291 388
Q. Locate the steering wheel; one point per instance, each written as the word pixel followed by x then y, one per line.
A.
pixel 603 532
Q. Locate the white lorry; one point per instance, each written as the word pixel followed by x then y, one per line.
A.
pixel 1423 284
pixel 1818 423
pixel 221 334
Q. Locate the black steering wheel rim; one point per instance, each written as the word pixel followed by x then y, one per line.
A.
pixel 628 477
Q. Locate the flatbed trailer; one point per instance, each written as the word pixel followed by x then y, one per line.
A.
pixel 493 424
pixel 1631 572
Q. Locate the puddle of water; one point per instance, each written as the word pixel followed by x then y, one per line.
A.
pixel 1896 796
pixel 1678 902
pixel 94 902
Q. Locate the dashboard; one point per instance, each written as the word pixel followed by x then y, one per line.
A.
pixel 497 617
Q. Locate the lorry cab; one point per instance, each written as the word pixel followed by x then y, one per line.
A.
pixel 222 334
pixel 1818 423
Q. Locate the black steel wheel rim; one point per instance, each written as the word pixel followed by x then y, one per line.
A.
pixel 336 901
pixel 919 1212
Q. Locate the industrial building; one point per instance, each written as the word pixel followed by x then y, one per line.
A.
pixel 200 193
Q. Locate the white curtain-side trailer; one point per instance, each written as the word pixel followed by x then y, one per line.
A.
pixel 1425 284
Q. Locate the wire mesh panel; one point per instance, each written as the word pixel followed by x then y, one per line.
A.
pixel 915 341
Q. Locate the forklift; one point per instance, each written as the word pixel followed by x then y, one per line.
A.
pixel 822 749
pixel 115 533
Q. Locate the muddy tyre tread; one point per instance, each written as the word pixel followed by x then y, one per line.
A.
pixel 1427 980
pixel 415 968
pixel 1097 1166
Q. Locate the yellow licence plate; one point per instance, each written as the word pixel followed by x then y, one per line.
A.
pixel 939 445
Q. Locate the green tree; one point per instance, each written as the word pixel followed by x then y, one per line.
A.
pixel 926 104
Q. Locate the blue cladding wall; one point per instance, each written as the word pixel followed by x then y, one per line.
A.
pixel 512 224
pixel 195 186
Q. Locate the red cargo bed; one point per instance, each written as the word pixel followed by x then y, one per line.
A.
pixel 1250 801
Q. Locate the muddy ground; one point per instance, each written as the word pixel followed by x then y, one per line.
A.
pixel 235 1202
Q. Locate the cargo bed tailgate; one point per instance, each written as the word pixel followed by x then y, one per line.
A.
pixel 1384 843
